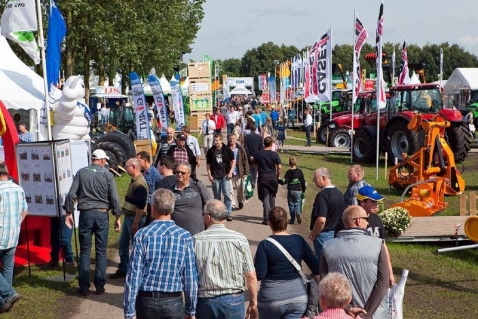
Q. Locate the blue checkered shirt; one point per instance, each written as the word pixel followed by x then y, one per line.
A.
pixel 162 260
pixel 152 178
pixel 12 205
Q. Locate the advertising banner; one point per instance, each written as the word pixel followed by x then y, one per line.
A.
pixel 159 102
pixel 140 108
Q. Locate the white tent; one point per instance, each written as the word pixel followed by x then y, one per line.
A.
pixel 21 89
pixel 240 90
pixel 165 86
pixel 462 79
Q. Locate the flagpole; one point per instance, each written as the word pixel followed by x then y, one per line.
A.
pixel 41 45
pixel 353 89
pixel 330 78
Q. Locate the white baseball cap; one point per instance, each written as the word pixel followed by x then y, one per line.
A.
pixel 99 154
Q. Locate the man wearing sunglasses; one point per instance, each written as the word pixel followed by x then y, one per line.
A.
pixel 191 196
pixel 362 259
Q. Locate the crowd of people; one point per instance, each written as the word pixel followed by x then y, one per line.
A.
pixel 186 263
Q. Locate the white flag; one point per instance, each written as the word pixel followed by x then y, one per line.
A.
pixel 19 16
pixel 27 41
pixel 360 35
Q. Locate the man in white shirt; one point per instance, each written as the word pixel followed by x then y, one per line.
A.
pixel 193 144
pixel 207 128
pixel 307 126
pixel 231 119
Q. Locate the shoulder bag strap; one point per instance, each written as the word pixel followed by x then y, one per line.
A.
pixel 291 259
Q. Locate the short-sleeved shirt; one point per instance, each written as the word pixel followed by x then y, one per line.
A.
pixel 219 160
pixel 329 203
pixel 266 161
pixel 12 205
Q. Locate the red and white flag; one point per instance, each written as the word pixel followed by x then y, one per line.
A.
pixel 380 85
pixel 360 35
pixel 321 69
pixel 306 65
pixel 404 77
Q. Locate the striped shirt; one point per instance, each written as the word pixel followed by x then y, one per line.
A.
pixel 12 205
pixel 162 260
pixel 223 257
pixel 333 313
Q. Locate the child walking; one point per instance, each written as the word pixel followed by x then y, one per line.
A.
pixel 281 135
pixel 295 181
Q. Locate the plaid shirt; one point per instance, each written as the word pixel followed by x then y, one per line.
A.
pixel 162 260
pixel 12 204
pixel 152 178
pixel 180 155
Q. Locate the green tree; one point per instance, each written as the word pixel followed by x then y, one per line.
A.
pixel 232 67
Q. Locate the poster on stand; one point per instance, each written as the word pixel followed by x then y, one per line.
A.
pixel 46 175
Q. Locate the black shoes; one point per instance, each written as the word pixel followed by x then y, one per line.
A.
pixel 9 304
pixel 229 218
pixel 118 274
pixel 265 222
pixel 99 292
pixel 241 206
pixel 83 292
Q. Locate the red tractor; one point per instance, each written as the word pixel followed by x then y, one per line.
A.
pixel 395 138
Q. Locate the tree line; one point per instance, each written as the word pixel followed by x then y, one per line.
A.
pixel 260 60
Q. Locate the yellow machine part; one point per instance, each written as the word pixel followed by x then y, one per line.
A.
pixel 471 228
pixel 425 199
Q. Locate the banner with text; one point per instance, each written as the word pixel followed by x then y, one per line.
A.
pixel 177 104
pixel 140 108
pixel 159 102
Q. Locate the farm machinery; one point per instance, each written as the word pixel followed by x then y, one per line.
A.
pixel 430 172
pixel 395 138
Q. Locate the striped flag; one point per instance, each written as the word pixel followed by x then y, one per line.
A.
pixel 404 77
pixel 306 64
pixel 360 35
pixel 380 86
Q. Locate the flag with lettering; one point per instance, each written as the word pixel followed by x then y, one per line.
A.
pixel 140 108
pixel 360 35
pixel 159 102
pixel 404 77
pixel 18 21
pixel 321 61
pixel 380 85
pixel 178 106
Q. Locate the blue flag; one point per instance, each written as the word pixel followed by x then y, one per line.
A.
pixel 56 33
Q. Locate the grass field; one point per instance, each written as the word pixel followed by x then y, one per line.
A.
pixel 440 286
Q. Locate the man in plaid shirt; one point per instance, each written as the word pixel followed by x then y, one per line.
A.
pixel 13 209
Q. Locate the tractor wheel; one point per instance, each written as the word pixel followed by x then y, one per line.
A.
pixel 401 140
pixel 112 162
pixel 365 147
pixel 122 140
pixel 322 134
pixel 116 149
pixel 459 139
pixel 339 138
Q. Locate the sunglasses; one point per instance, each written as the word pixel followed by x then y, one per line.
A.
pixel 181 173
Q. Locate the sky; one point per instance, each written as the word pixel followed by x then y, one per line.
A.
pixel 231 27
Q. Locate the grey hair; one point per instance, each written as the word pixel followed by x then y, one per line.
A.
pixel 163 201
pixel 323 172
pixel 185 164
pixel 216 209
pixel 134 161
pixel 335 290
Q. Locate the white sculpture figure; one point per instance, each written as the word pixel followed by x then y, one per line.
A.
pixel 68 118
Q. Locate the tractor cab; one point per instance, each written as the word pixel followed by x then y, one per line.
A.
pixel 423 98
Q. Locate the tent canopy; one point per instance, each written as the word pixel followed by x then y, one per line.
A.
pixel 462 79
pixel 240 90
pixel 21 87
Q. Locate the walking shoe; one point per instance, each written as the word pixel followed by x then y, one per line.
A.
pixel 299 220
pixel 118 274
pixel 83 292
pixel 291 222
pixel 229 218
pixel 265 222
pixel 100 291
pixel 241 206
pixel 69 264
pixel 10 302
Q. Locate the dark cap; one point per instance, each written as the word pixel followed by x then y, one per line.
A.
pixel 181 136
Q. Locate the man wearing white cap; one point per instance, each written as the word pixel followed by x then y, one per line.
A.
pixel 94 189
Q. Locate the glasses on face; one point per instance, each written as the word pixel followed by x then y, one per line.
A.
pixel 362 217
pixel 181 173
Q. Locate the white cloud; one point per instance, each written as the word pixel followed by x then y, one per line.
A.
pixel 469 40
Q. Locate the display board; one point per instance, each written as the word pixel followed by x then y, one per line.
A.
pixel 45 174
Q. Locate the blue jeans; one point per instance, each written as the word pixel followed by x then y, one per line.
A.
pixel 230 129
pixel 60 238
pixel 268 202
pixel 221 307
pixel 320 240
pixel 224 186
pixel 159 308
pixel 92 222
pixel 287 311
pixel 307 134
pixel 295 203
pixel 253 174
pixel 125 239
pixel 7 257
